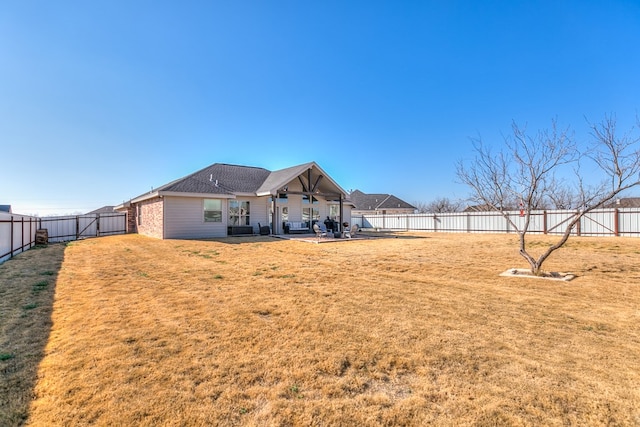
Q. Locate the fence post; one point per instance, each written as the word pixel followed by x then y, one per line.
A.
pixel 22 233
pixel 616 222
pixel 77 227
pixel 544 221
pixel 11 233
pixel 578 228
pixel 98 225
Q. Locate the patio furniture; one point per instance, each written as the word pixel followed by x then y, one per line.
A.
pixel 349 233
pixel 235 230
pixel 264 230
pixel 298 227
pixel 319 232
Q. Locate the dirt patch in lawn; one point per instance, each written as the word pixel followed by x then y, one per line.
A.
pixel 400 331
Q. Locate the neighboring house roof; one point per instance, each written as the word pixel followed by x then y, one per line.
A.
pixel 625 202
pixel 479 208
pixel 104 209
pixel 5 208
pixel 224 180
pixel 370 202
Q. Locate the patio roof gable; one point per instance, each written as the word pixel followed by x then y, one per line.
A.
pixel 312 177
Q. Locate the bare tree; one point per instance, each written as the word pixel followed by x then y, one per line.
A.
pixel 440 205
pixel 562 197
pixel 525 170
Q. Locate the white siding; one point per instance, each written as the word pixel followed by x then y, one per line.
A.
pixel 259 211
pixel 184 219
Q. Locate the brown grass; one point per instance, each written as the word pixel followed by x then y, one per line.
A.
pixel 413 330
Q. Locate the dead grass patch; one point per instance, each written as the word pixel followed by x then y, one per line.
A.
pixel 407 331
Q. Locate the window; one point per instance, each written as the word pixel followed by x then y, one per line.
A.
pixel 285 213
pixel 239 212
pixel 309 215
pixel 306 198
pixel 213 210
pixel 334 212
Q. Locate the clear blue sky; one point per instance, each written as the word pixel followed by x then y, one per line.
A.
pixel 101 100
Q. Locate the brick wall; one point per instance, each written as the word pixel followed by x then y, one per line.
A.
pixel 131 220
pixel 152 212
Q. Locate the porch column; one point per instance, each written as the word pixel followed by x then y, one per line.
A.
pixel 274 215
pixel 341 214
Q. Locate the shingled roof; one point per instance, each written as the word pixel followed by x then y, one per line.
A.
pixel 223 179
pixel 370 202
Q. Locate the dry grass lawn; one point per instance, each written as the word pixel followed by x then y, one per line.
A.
pixel 413 330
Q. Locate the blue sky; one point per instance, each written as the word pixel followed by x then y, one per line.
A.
pixel 102 100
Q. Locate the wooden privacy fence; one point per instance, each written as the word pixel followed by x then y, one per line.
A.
pixel 599 222
pixel 18 232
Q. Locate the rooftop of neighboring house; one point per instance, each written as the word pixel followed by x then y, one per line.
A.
pixel 625 202
pixel 372 202
pixel 104 209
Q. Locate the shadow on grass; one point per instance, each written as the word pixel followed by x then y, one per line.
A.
pixel 27 289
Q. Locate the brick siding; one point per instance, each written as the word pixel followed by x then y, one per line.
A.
pixel 152 212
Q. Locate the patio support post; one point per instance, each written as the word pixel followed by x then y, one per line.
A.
pixel 274 219
pixel 341 215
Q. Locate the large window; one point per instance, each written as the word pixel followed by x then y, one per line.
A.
pixel 334 212
pixel 239 212
pixel 213 210
pixel 309 215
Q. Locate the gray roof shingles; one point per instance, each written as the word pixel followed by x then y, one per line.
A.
pixel 363 201
pixel 220 178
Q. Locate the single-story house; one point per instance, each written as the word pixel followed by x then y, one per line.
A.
pixel 223 199
pixel 384 204
pixel 103 210
pixel 625 202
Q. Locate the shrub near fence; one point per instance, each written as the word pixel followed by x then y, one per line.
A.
pixel 18 232
pixel 599 222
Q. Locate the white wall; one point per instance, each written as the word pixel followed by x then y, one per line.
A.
pixel 184 217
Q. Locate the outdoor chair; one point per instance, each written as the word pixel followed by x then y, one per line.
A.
pixel 349 233
pixel 319 231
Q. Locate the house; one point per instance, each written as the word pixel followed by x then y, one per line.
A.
pixel 104 209
pixel 625 202
pixel 223 199
pixel 378 204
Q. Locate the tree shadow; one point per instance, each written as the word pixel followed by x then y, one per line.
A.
pixel 27 289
